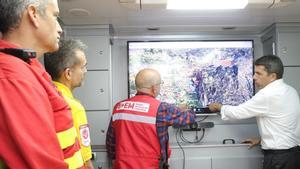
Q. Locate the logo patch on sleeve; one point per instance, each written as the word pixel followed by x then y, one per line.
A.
pixel 85 135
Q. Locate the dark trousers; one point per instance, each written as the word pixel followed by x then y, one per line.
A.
pixel 163 164
pixel 282 159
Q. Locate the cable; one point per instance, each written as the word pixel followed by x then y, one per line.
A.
pixel 183 152
pixel 180 133
pixel 192 142
pixel 202 119
pixel 273 3
pixel 197 140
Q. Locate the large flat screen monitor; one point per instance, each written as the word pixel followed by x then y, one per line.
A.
pixel 196 72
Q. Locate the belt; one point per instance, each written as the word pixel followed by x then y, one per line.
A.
pixel 278 151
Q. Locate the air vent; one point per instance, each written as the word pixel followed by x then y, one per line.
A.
pixel 153 28
pixel 229 28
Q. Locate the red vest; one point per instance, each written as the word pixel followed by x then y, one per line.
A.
pixel 137 143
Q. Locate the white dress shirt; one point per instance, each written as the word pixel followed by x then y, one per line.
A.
pixel 277 111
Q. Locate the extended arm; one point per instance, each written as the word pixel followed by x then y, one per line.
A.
pixel 256 106
pixel 175 116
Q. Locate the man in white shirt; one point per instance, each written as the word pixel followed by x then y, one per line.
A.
pixel 277 110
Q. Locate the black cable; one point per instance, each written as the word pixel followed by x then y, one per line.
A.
pixel 202 119
pixel 191 142
pixel 273 3
pixel 184 139
pixel 183 153
pixel 203 132
pixel 180 133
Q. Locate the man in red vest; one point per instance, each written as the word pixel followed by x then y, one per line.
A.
pixel 137 136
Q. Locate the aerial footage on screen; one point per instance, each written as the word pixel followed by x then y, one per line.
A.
pixel 196 72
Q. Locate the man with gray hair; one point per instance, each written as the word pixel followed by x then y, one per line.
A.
pixel 36 127
pixel 67 67
pixel 277 110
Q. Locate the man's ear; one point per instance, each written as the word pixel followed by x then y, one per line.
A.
pixel 154 90
pixel 67 74
pixel 274 76
pixel 33 14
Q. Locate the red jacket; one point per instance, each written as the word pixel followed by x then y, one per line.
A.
pixel 31 115
pixel 137 144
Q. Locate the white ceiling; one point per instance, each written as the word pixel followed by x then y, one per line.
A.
pixel 135 21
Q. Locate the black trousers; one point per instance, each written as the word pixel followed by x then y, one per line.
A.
pixel 282 159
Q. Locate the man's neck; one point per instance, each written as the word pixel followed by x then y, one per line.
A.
pixel 65 82
pixel 23 42
pixel 144 93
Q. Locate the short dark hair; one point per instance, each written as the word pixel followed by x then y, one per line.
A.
pixel 11 12
pixel 272 64
pixel 56 62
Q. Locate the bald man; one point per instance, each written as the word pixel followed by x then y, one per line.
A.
pixel 137 136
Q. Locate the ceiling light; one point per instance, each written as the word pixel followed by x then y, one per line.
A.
pixel 207 4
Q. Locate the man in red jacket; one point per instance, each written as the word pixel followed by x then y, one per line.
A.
pixel 36 127
pixel 137 137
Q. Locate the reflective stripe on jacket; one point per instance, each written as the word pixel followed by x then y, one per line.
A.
pixel 79 119
pixel 66 133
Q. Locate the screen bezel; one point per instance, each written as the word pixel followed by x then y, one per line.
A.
pixel 153 41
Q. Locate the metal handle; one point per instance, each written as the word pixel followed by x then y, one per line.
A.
pixel 229 139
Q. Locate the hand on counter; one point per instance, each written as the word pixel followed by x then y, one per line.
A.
pixel 252 141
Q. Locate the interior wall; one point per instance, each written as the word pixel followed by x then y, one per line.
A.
pixel 211 149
